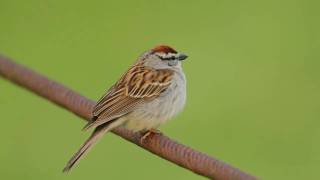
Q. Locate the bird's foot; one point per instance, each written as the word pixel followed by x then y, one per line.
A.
pixel 148 133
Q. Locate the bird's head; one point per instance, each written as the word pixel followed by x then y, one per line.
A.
pixel 163 56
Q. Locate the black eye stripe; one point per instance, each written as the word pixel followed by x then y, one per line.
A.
pixel 167 58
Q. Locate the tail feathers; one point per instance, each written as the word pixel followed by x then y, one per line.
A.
pixel 95 136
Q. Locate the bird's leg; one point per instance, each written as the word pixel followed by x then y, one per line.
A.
pixel 148 133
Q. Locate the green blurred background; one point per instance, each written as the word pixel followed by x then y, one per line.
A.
pixel 253 84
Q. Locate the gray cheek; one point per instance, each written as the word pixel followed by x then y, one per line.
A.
pixel 173 62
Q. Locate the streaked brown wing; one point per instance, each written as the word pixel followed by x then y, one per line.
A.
pixel 139 84
pixel 146 82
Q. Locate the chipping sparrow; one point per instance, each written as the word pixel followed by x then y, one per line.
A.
pixel 151 92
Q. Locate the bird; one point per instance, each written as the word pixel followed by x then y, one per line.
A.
pixel 151 92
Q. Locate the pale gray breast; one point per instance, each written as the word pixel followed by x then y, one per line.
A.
pixel 174 98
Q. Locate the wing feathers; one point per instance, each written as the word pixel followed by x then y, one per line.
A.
pixel 105 100
pixel 139 84
pixel 149 82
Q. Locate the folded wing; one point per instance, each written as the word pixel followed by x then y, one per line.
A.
pixel 138 85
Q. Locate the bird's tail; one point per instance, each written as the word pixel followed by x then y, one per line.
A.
pixel 95 136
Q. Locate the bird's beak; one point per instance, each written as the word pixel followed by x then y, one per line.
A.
pixel 182 57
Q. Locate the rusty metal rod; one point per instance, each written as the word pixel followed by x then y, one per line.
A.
pixel 160 145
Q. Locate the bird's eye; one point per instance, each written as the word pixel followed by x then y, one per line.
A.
pixel 167 58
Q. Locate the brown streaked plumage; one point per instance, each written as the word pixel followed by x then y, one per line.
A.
pixel 139 84
pixel 145 81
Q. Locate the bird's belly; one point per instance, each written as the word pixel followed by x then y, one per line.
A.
pixel 156 112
